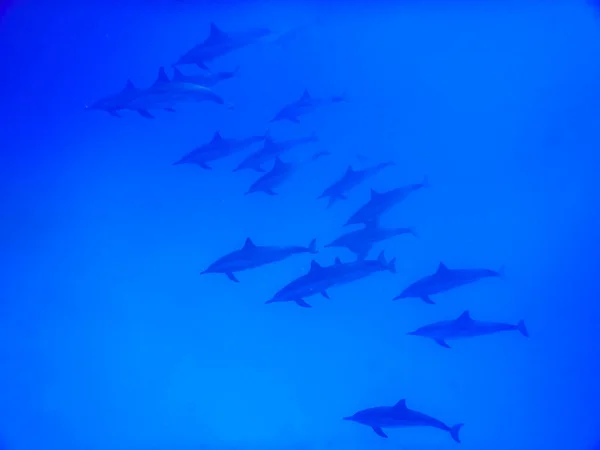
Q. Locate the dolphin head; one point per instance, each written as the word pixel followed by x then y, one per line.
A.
pixel 365 417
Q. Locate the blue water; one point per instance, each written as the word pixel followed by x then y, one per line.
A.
pixel 111 339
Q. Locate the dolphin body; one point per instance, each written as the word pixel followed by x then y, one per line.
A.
pixel 280 172
pixel 443 280
pixel 399 416
pixel 218 148
pixel 361 241
pixel 272 150
pixel 465 327
pixel 115 103
pixel 306 104
pixel 350 179
pixel 319 279
pixel 204 79
pixel 219 43
pixel 251 256
pixel 165 93
pixel 380 203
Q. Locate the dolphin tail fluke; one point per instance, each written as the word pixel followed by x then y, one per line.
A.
pixel 522 328
pixel 413 231
pixel 454 432
pixel 312 247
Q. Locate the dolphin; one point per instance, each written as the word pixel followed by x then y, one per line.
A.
pixel 204 79
pixel 251 256
pixel 443 280
pixel 465 327
pixel 275 177
pixel 271 150
pixel 320 278
pixel 306 104
pixel 381 202
pixel 361 241
pixel 350 179
pixel 165 93
pixel 218 148
pixel 399 416
pixel 116 102
pixel 219 43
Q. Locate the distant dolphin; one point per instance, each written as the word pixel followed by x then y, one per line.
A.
pixel 399 416
pixel 464 327
pixel 251 256
pixel 381 202
pixel 304 105
pixel 361 241
pixel 115 103
pixel 350 179
pixel 443 280
pixel 267 183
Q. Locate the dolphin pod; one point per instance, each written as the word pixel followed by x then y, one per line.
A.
pixel 270 160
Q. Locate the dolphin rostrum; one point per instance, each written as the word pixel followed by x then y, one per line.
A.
pixel 443 280
pixel 350 179
pixel 399 416
pixel 252 255
pixel 218 148
pixel 361 241
pixel 320 278
pixel 381 202
pixel 306 104
pixel 465 327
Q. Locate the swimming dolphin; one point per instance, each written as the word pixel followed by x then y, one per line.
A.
pixel 165 93
pixel 219 43
pixel 443 280
pixel 218 148
pixel 380 203
pixel 361 241
pixel 304 105
pixel 251 256
pixel 320 278
pixel 271 150
pixel 350 179
pixel 116 102
pixel 465 327
pixel 273 178
pixel 399 416
pixel 204 79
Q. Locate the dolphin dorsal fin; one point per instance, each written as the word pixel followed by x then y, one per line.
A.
pixel 337 261
pixel 217 137
pixel 129 86
pixel 464 317
pixel 374 194
pixel 315 266
pixel 305 95
pixel 381 258
pixel 177 74
pixel 162 77
pixel 216 35
pixel 249 244
pixel 401 404
pixel 442 268
pixel 279 165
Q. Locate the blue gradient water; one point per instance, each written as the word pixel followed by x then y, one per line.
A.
pixel 110 338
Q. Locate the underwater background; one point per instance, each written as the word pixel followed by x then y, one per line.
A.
pixel 110 337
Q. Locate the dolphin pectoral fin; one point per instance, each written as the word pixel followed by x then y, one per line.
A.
pixel 326 295
pixel 169 109
pixel 302 303
pixel 427 300
pixel 145 113
pixel 442 342
pixel 270 192
pixel 114 114
pixel 205 166
pixel 232 277
pixel 293 119
pixel 379 431
pixel 259 169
